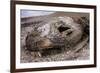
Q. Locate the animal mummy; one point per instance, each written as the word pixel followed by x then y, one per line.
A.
pixel 57 32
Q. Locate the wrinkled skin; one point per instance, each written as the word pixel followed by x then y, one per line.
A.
pixel 58 32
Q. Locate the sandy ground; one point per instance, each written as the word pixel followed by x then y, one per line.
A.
pixel 55 54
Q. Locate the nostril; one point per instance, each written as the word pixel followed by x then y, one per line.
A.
pixel 61 29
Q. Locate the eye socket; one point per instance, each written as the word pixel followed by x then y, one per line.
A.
pixel 61 29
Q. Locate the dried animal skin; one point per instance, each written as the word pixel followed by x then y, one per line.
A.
pixel 57 32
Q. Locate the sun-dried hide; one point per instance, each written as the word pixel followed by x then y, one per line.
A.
pixel 58 32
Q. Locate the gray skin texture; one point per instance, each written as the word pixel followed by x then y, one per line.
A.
pixel 59 32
